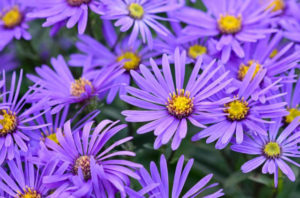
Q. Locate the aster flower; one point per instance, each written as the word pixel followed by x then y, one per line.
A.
pixel 15 130
pixel 269 54
pixel 13 21
pixel 162 179
pixel 86 163
pixel 140 15
pixel 65 12
pixel 168 107
pixel 248 110
pixel 273 151
pixel 292 98
pixel 23 178
pixel 119 52
pixel 231 23
pixel 62 89
pixel 56 121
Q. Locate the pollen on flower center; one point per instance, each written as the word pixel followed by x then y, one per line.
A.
pixel 273 53
pixel 78 2
pixel 196 50
pixel 79 87
pixel 276 5
pixel 53 137
pixel 180 104
pixel 243 70
pixel 84 163
pixel 12 18
pixel 8 121
pixel 237 109
pixel 272 150
pixel 28 193
pixel 132 60
pixel 293 113
pixel 136 11
pixel 229 24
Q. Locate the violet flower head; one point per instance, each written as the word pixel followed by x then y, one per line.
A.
pixel 15 130
pixel 231 23
pixel 273 151
pixel 270 54
pixel 159 177
pixel 65 12
pixel 248 110
pixel 23 178
pixel 117 52
pixel 292 98
pixel 168 106
pixel 63 89
pixel 13 21
pixel 86 162
pixel 140 15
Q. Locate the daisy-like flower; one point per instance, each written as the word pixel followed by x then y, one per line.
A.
pixel 140 15
pixel 292 98
pixel 168 107
pixel 56 121
pixel 119 52
pixel 247 111
pixel 23 179
pixel 15 130
pixel 13 21
pixel 86 163
pixel 160 177
pixel 273 151
pixel 65 12
pixel 8 61
pixel 268 54
pixel 231 23
pixel 62 89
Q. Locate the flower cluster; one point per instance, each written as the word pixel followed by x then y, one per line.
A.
pixel 227 73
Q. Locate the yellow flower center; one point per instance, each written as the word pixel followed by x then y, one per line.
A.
pixel 196 50
pixel 237 109
pixel 272 149
pixel 12 18
pixel 84 163
pixel 79 87
pixel 8 122
pixel 293 113
pixel 136 11
pixel 28 193
pixel 132 60
pixel 180 104
pixel 243 70
pixel 77 2
pixel 229 24
pixel 277 5
pixel 273 53
pixel 53 137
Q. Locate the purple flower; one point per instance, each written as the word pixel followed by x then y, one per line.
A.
pixel 62 89
pixel 8 61
pixel 269 54
pixel 23 178
pixel 160 179
pixel 65 12
pixel 292 98
pixel 231 23
pixel 141 15
pixel 85 162
pixel 119 52
pixel 168 107
pixel 247 110
pixel 15 130
pixel 273 150
pixel 13 21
